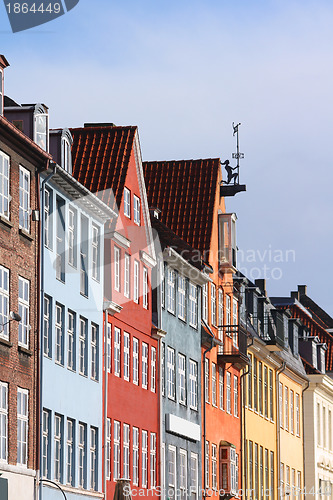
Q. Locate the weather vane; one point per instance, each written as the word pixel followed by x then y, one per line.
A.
pixel 231 185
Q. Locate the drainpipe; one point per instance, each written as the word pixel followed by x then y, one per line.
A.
pixel 204 414
pixel 105 392
pixel 243 425
pixel 303 390
pixel 277 390
pixel 41 352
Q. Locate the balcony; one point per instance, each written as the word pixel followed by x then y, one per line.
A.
pixel 235 347
pixel 227 242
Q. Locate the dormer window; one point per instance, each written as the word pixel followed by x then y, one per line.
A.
pixel 137 210
pixel 41 128
pixel 127 203
pixel 66 155
pixel 1 92
pixel 314 354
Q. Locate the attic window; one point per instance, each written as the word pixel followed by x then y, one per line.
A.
pixel 66 155
pixel 127 203
pixel 1 92
pixel 137 210
pixel 41 130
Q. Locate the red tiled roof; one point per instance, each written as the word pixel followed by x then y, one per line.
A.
pixel 100 157
pixel 185 192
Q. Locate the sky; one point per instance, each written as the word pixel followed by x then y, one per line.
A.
pixel 183 71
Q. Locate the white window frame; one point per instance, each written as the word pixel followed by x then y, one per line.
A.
pixel 136 276
pixel 145 288
pixel 70 452
pixel 213 303
pixel 59 334
pixel 171 377
pixel 4 302
pixel 126 372
pixel 144 460
pixel 126 451
pixel 193 305
pixel 228 314
pixel 135 467
pixel 228 402
pixel 108 448
pixel 207 380
pixel 47 218
pixel 183 473
pixel 135 367
pixel 214 466
pixel 221 388
pixel 94 352
pixel 47 332
pixel 116 450
pixel 4 184
pixel 291 399
pixel 24 209
pixel 286 408
pixel 127 203
pixel 93 458
pixel 194 477
pixel 82 481
pixel 144 365
pixel 116 254
pixel 205 302
pixel 153 369
pixel 235 321
pixel 71 340
pixel 127 267
pixel 95 252
pixel 182 298
pixel 24 312
pixel 152 460
pixel 3 422
pixel 109 347
pixel 235 396
pixel 83 346
pixel 297 403
pixel 136 208
pixel 72 237
pixel 207 465
pixel 58 447
pixel 171 290
pixel 116 351
pixel 193 376
pixel 214 385
pixel 182 379
pixel 172 467
pixel 46 444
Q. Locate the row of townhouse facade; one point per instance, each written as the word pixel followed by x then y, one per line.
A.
pixel 133 354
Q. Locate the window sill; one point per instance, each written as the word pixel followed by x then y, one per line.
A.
pixel 59 363
pixel 24 350
pixel 25 233
pixel 81 293
pixel 6 222
pixel 6 342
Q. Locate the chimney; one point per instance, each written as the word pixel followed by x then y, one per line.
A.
pixel 301 290
pixel 261 283
pixel 294 295
pixel 3 64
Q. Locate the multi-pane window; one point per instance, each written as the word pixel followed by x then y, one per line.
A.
pixel 271 398
pixel 193 305
pixel 60 239
pixel 82 346
pixel 84 256
pixel 163 368
pixel 194 477
pixel 235 321
pixel 4 302
pixel 135 477
pixel 207 465
pixel 126 356
pixel 260 386
pixel 292 412
pixel 153 370
pixel 193 375
pixel 47 335
pixel 24 307
pixel 108 347
pixel 95 253
pixel 82 455
pixel 182 378
pixel 72 237
pixel 281 403
pixel 182 298
pixel 46 445
pixel 214 466
pixel 228 392
pixel 214 395
pixel 182 473
pixel 213 303
pixel 47 218
pixel 220 319
pixel 4 184
pixel 162 278
pixel 145 288
pixel 249 381
pixel 108 449
pixel 135 361
pixel 136 282
pixel 116 352
pixel 221 388
pixel 136 210
pixel 272 470
pixel 171 290
pixel 207 380
pixel 70 452
pixel 117 269
pixel 94 351
pixel 127 262
pixel 116 450
pixel 228 314
pixel 127 203
pixel 24 211
pixel 261 466
pixel 152 460
pixel 286 408
pixel 93 458
pixel 172 470
pixel 71 340
pixel 3 421
pixel 235 396
pixel 256 470
pixel 59 334
pixel 205 302
pixel 266 391
pixel 171 372
pixel 297 416
pixel 144 461
pixel 144 365
pixel 126 451
pixel 58 448
pixel 255 384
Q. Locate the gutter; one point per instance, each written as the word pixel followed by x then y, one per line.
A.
pixel 277 391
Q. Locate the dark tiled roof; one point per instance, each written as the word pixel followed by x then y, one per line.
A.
pixel 100 157
pixel 185 192
pixel 317 312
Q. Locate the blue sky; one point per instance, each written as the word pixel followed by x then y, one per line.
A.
pixel 183 71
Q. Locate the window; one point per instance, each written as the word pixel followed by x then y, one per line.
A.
pixel 126 451
pixel 59 334
pixel 163 368
pixel 144 464
pixel 256 471
pixel 108 349
pixel 183 473
pixel 135 477
pixel 281 403
pixel 153 370
pixel 66 156
pixel 286 408
pixel 271 396
pixel 116 450
pixel 58 448
pixel 47 218
pixel 205 302
pixel 82 455
pixel 255 384
pixel 297 416
pixel 84 257
pixel 207 380
pixel 47 332
pixel 214 466
pixel 182 379
pixel 318 425
pixel 94 352
pixel 220 320
pixel 95 251
pixel 127 263
pixel 272 469
pixel 221 388
pixel 46 445
pixel 194 476
pixel 171 290
pixel 228 314
pixel 250 465
pixel 116 353
pixel 193 385
pixel 127 203
pixel 207 465
pixel 70 452
pixel 287 480
pixel 162 277
pixel 172 471
pixel 126 356
pixel 235 396
pixel 293 483
pixel 71 340
pixel 60 239
pixel 292 412
pixel 117 269
pixel 145 288
pixel 82 346
pixel 4 184
pixel 299 484
pixel 153 460
pixel 3 421
pixel 193 305
pixel 249 381
pixel 261 466
pixel 72 237
pixel 228 392
pixel 214 396
pixel 41 131
pixel 136 282
pixel 135 361
pixel 4 302
pixel 282 492
pixel 213 303
pixel 260 387
pixel 182 298
pixel 108 448
pixel 137 210
pixel 235 321
pixel 24 212
pixel 24 309
pixel 266 391
pixel 171 372
pixel 144 365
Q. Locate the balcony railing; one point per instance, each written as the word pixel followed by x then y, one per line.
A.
pixel 235 348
